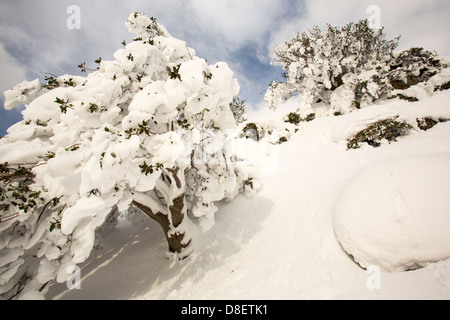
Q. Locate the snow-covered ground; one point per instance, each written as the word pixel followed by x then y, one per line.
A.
pixel 388 206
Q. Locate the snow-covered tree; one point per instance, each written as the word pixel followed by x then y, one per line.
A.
pixel 148 130
pixel 342 67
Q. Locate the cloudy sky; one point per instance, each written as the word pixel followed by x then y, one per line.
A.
pixel 34 37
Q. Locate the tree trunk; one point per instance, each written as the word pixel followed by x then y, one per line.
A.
pixel 169 224
pixel 170 213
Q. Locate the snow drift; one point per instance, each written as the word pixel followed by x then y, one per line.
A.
pixel 395 214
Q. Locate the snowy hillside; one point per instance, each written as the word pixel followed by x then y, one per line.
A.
pixel 139 181
pixel 387 206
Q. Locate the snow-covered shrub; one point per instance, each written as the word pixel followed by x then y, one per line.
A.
pixel 424 85
pixel 295 118
pixel 271 131
pixel 366 88
pixel 237 106
pixel 442 87
pixel 427 123
pixel 251 131
pixel 402 96
pixel 412 66
pixel 148 129
pixel 342 67
pixel 388 129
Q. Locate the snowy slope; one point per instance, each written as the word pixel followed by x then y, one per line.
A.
pixel 282 243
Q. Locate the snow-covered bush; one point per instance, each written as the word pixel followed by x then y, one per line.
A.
pixel 147 129
pixel 295 118
pixel 404 97
pixel 409 67
pixel 442 87
pixel 341 67
pixel 427 123
pixel 420 84
pixel 237 106
pixel 251 131
pixel 271 131
pixel 388 129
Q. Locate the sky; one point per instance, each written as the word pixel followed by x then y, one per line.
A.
pixel 35 38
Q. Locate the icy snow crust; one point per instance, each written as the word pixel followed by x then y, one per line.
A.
pixel 387 207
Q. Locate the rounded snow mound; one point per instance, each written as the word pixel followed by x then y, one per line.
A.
pixel 396 214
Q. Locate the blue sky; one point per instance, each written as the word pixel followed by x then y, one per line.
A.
pixel 34 38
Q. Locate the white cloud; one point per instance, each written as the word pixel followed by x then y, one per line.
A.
pixel 32 33
pixel 11 73
pixel 236 21
pixel 419 23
